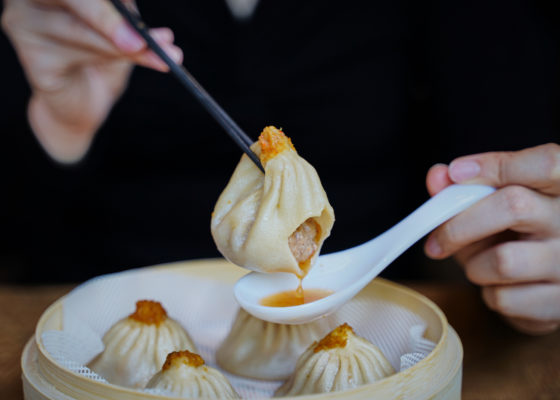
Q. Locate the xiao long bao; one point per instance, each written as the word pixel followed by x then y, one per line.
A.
pixel 137 345
pixel 277 221
pixel 339 361
pixel 185 375
pixel 264 350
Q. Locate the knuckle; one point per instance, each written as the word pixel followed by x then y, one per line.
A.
pixel 551 159
pixel 108 20
pixel 40 72
pixel 471 272
pixel 72 24
pixel 503 160
pixel 502 303
pixel 505 262
pixel 519 202
pixel 448 236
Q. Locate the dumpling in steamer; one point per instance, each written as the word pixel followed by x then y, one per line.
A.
pixel 340 361
pixel 275 222
pixel 265 350
pixel 185 375
pixel 136 346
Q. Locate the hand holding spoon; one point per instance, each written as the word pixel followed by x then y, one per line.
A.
pixel 347 272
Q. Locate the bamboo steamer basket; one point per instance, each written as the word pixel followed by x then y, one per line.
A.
pixel 438 376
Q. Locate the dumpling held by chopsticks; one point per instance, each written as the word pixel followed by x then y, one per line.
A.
pixel 277 221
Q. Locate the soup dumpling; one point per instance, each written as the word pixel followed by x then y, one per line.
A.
pixel 265 350
pixel 339 361
pixel 136 346
pixel 185 375
pixel 277 221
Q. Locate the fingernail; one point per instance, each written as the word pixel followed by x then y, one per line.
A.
pixel 432 247
pixel 162 35
pixel 127 39
pixel 438 165
pixel 176 54
pixel 460 171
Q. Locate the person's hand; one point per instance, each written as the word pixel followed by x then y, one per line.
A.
pixel 77 56
pixel 509 242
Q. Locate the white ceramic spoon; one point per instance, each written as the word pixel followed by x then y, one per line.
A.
pixel 349 271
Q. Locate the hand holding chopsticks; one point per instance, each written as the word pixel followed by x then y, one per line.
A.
pixel 190 83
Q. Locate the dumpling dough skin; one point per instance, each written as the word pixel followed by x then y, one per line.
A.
pixel 185 375
pixel 265 350
pixel 340 361
pixel 136 346
pixel 256 214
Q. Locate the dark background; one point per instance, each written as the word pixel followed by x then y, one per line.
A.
pixel 371 93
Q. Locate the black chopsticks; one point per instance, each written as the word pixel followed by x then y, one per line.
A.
pixel 188 81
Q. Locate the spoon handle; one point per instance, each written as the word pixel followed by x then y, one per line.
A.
pixel 434 212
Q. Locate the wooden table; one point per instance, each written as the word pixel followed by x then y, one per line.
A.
pixel 499 363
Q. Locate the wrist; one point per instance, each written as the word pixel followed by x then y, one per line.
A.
pixel 64 141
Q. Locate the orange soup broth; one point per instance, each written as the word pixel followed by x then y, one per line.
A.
pixel 295 297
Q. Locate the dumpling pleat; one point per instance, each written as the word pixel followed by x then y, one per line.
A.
pixel 337 368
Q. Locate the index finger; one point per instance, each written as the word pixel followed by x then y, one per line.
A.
pixel 536 167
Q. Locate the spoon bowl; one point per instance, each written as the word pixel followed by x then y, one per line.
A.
pixel 347 272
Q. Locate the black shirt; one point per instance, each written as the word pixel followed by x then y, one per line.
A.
pixel 371 93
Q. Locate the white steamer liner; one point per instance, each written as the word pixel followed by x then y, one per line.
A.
pixel 438 376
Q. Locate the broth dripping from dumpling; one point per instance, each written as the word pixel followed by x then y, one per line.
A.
pixel 303 244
